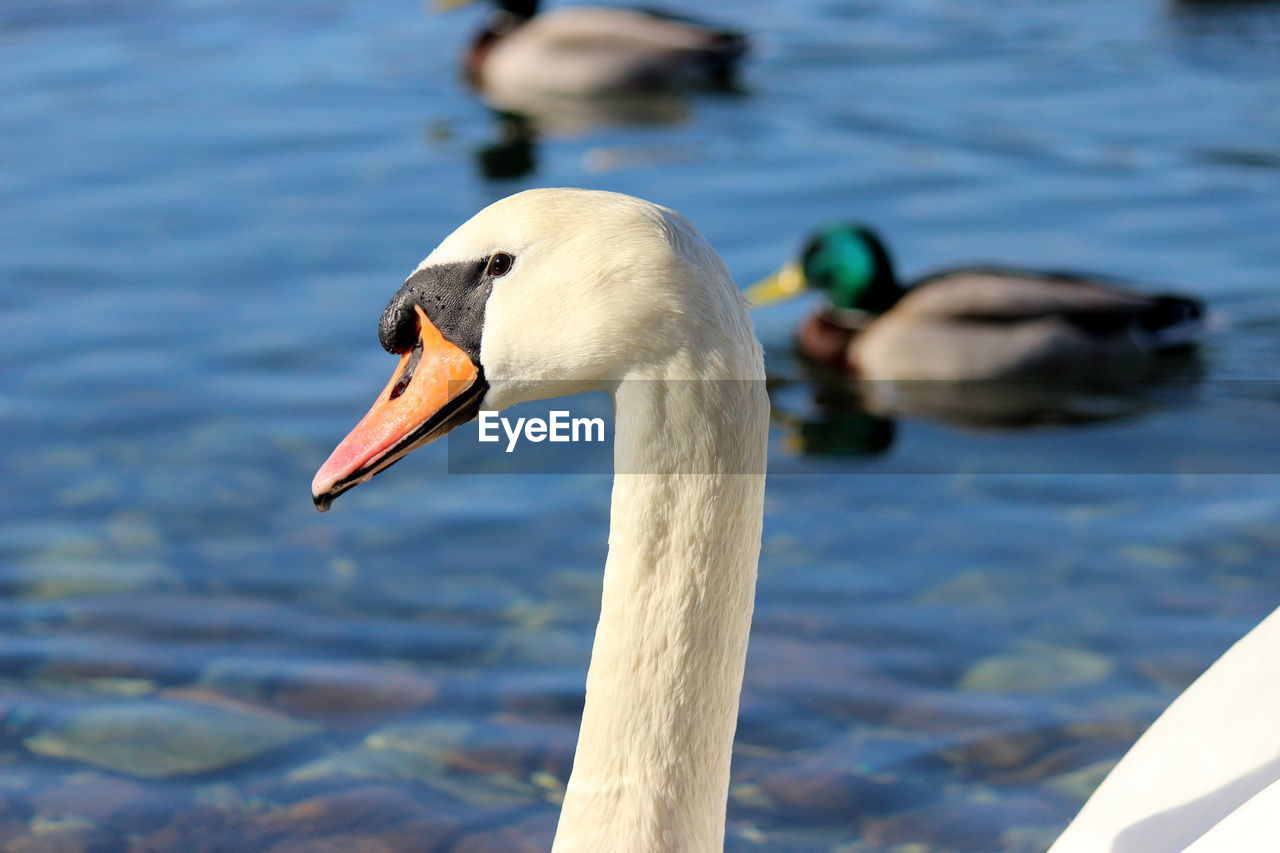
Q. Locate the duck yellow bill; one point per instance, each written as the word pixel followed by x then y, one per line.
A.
pixel 782 285
pixel 448 5
pixel 435 387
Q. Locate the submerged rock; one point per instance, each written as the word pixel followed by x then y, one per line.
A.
pixel 1029 839
pixel 957 824
pixel 12 822
pixel 437 754
pixel 199 830
pixel 108 800
pixel 424 741
pixel 323 689
pixel 532 835
pixel 1001 750
pixel 399 752
pixel 1078 785
pixel 155 739
pixel 62 825
pixel 70 834
pixel 74 578
pixel 837 783
pixel 365 819
pixel 358 809
pixel 1036 668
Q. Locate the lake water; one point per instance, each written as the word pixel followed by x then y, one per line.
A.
pixel 206 205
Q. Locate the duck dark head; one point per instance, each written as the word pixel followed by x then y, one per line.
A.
pixel 519 8
pixel 849 262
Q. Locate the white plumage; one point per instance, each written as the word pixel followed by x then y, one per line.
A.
pixel 607 292
pixel 1207 769
pixel 615 293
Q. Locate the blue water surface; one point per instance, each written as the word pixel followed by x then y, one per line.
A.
pixel 204 207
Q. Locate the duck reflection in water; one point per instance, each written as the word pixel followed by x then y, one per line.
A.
pixel 831 414
pixel 513 150
pixel 825 416
pixel 1232 36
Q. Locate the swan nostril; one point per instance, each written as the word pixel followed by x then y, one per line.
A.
pixel 407 377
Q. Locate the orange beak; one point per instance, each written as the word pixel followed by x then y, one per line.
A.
pixel 435 387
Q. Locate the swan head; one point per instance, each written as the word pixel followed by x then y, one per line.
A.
pixel 544 293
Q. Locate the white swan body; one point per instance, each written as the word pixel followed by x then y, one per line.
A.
pixel 1251 827
pixel 1204 777
pixel 603 291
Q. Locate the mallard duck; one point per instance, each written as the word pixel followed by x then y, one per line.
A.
pixel 980 322
pixel 595 51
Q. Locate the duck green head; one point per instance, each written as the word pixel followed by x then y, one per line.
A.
pixel 847 261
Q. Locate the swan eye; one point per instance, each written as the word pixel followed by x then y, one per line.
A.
pixel 499 265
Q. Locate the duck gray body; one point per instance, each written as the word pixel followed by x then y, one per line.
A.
pixel 590 51
pixel 993 323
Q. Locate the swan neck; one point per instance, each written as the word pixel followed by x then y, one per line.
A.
pixel 651 772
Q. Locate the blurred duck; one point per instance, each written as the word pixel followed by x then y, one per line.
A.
pixel 593 51
pixel 982 322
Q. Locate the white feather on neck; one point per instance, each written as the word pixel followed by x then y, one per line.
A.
pixel 651 772
pixel 611 292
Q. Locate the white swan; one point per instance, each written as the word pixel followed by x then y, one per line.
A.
pixel 555 291
pixel 1205 778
